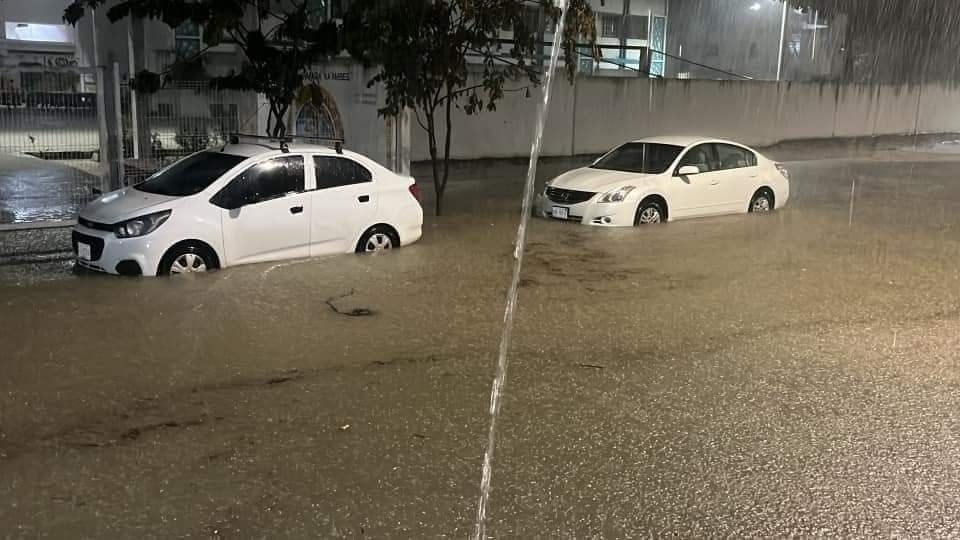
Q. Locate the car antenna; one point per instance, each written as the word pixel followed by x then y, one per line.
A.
pixel 338 146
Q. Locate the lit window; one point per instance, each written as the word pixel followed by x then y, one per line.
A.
pixel 54 33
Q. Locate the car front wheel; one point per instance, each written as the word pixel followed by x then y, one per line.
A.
pixel 649 213
pixel 188 258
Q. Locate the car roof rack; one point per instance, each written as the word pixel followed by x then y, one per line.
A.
pixel 283 143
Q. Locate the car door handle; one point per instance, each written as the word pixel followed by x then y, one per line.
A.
pixel 364 198
pixel 296 209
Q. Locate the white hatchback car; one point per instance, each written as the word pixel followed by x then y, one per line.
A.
pixel 666 178
pixel 247 203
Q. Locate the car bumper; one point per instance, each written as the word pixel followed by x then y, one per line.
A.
pixel 590 212
pixel 112 255
pixel 409 235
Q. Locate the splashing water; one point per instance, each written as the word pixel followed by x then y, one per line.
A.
pixel 500 378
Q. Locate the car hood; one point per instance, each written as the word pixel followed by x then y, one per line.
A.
pixel 124 204
pixel 597 180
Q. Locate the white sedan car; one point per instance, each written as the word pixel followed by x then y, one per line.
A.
pixel 666 178
pixel 248 203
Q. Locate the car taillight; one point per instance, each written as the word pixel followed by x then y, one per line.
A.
pixel 415 191
pixel 783 170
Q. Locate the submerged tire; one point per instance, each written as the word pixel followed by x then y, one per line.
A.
pixel 188 258
pixel 650 212
pixel 377 239
pixel 762 201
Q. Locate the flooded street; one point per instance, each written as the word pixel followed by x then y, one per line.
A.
pixel 785 374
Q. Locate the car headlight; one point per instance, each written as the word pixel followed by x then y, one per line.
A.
pixel 140 226
pixel 548 184
pixel 617 195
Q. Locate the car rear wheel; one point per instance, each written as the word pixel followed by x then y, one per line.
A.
pixel 649 213
pixel 762 201
pixel 377 239
pixel 188 258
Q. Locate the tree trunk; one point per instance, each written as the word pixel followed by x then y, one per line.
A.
pixel 432 143
pixel 276 125
pixel 446 145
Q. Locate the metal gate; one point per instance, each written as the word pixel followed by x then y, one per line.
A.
pixel 179 119
pixel 51 144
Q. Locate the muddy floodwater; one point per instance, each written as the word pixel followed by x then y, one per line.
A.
pixel 787 374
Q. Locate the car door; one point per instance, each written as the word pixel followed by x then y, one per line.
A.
pixel 738 177
pixel 344 203
pixel 696 194
pixel 265 212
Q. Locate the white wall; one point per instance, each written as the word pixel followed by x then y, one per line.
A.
pixel 596 113
pixel 33 11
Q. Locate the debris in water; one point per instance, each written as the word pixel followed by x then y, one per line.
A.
pixel 355 312
pixel 591 366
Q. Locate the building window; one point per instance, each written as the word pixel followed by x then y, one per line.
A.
pixel 51 33
pixel 315 122
pixel 637 27
pixel 610 25
pixel 187 40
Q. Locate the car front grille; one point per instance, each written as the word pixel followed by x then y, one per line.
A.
pixel 96 244
pixel 568 196
pixel 94 225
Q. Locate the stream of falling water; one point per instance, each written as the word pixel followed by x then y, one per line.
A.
pixel 499 380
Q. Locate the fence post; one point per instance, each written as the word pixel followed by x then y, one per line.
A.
pixel 118 133
pixel 104 151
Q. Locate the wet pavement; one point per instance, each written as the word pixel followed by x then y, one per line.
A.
pixel 787 374
pixel 37 190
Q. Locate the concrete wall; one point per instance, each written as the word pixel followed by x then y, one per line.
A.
pixel 597 113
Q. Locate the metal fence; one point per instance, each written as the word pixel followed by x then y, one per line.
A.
pixel 50 144
pixel 176 121
pixel 65 137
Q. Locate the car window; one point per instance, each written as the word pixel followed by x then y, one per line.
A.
pixel 264 181
pixel 645 158
pixel 701 157
pixel 734 157
pixel 337 171
pixel 190 175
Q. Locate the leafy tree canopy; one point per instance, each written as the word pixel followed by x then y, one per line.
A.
pixel 280 40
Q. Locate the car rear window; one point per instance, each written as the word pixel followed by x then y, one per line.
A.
pixel 190 175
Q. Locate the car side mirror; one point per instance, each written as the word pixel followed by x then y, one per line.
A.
pixel 688 170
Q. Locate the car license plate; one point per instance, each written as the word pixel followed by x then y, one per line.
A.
pixel 83 251
pixel 560 212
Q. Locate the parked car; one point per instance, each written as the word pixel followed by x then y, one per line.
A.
pixel 662 179
pixel 248 203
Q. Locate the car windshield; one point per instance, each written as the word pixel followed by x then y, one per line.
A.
pixel 646 158
pixel 190 175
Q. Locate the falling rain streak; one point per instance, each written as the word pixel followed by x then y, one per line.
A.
pixel 510 310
